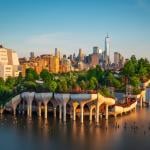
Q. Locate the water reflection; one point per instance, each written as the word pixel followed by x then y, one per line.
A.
pixel 131 130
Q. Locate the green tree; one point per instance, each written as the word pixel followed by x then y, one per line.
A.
pixel 45 75
pixel 41 88
pixel 93 83
pixel 116 83
pixel 105 91
pixel 109 79
pixel 136 91
pixel 10 82
pixel 71 81
pixel 62 86
pixel 83 85
pixel 95 72
pixel 129 69
pixel 82 76
pixel 142 72
pixel 31 75
pixel 99 73
pixel 52 86
pixel 2 82
pixel 134 81
pixel 30 85
pixel 19 79
pixel 134 60
pixel 5 94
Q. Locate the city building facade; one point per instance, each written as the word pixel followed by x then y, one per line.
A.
pixel 118 60
pixel 9 64
pixel 57 64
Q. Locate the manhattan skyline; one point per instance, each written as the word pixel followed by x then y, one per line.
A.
pixel 69 25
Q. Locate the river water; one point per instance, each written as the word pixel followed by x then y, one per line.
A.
pixel 131 131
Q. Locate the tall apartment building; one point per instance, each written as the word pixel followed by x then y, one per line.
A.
pixel 118 60
pixel 80 55
pixel 95 57
pixel 65 65
pixel 48 62
pixel 54 64
pixel 57 52
pixel 32 55
pixel 9 64
pixel 38 64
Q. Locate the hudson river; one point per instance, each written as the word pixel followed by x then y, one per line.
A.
pixel 131 131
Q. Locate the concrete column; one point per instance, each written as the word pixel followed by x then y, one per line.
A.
pixel 64 111
pixel 54 112
pixel 75 105
pixel 97 112
pixel 14 111
pixel 82 112
pixel 74 113
pixel 90 116
pixel 45 110
pixel 106 113
pixel 23 107
pixel 60 112
pixel 39 109
pixel 141 102
pixel 28 97
pixel 30 110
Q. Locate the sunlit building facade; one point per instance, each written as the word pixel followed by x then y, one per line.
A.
pixel 54 64
pixel 9 64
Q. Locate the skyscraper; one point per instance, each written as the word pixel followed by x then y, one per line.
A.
pixel 95 50
pixel 31 55
pixel 80 55
pixel 57 52
pixel 107 45
pixel 118 60
pixel 54 64
pixel 106 53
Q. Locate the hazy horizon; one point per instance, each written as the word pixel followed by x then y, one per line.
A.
pixel 42 25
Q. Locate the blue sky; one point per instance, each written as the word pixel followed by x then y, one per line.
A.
pixel 42 25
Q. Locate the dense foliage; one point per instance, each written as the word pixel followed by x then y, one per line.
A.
pixel 134 73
